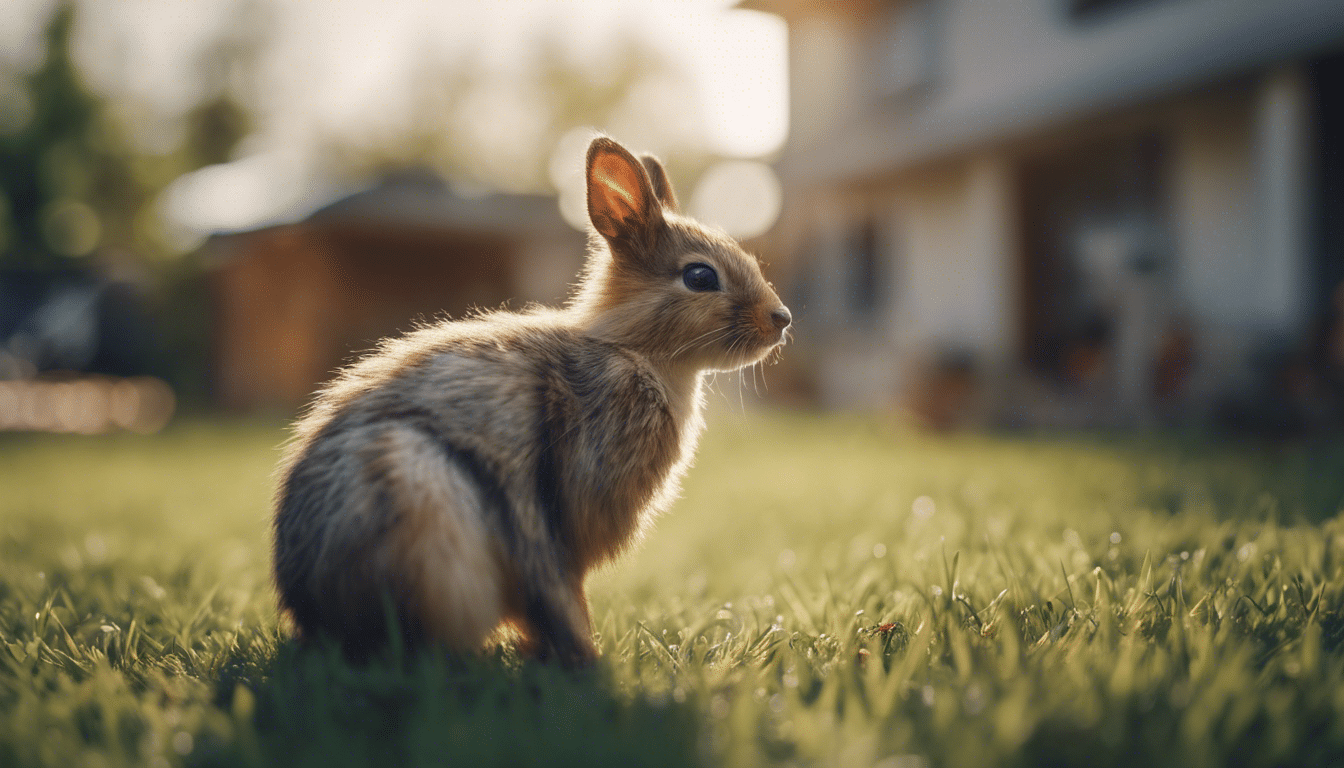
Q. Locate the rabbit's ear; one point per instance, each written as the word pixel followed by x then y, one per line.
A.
pixel 661 186
pixel 621 201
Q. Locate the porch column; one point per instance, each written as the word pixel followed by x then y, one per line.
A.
pixel 1281 126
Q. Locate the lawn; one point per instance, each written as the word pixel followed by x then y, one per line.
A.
pixel 828 591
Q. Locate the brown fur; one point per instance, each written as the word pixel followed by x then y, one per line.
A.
pixel 474 472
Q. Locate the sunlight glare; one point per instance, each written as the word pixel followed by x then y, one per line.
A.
pixel 741 196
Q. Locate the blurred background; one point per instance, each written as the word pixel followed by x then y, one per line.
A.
pixel 1028 213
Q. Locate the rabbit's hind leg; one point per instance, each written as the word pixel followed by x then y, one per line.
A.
pixel 438 550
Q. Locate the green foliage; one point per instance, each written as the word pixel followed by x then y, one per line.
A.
pixel 827 592
pixel 74 182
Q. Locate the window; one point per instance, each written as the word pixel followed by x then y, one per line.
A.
pixel 864 290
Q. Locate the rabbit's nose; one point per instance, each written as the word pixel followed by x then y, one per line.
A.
pixel 781 318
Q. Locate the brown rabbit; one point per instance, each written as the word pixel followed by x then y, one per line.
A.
pixel 473 472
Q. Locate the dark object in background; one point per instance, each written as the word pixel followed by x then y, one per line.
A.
pixel 75 353
pixel 73 321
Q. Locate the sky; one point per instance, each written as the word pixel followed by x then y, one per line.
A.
pixel 332 59
pixel 341 66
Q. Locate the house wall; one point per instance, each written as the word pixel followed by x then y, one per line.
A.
pixel 1239 186
pixel 1004 69
pixel 1237 163
pixel 1240 180
pixel 947 271
pixel 1219 264
pixel 852 357
pixel 954 273
pixel 935 151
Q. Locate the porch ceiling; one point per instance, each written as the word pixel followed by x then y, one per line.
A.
pixel 1188 45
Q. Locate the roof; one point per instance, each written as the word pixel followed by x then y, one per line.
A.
pixel 418 198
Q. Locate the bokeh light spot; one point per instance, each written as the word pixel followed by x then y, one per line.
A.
pixel 741 196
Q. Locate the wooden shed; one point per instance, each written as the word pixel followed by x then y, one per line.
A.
pixel 293 302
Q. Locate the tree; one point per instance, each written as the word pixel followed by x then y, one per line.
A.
pixel 74 188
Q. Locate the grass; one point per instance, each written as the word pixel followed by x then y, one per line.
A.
pixel 829 591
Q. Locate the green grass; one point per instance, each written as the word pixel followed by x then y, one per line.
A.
pixel 829 591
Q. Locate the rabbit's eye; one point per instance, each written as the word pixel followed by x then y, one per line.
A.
pixel 700 277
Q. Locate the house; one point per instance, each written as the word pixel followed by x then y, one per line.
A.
pixel 1065 211
pixel 293 302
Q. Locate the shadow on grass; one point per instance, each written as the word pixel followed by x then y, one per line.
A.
pixel 1293 482
pixel 310 707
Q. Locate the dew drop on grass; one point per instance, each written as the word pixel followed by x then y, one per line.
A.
pixel 923 508
pixel 1115 537
pixel 95 546
pixel 879 550
pixel 183 743
pixel 975 700
pixel 927 695
pixel 697 583
pixel 152 588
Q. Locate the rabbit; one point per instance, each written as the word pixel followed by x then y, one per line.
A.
pixel 471 473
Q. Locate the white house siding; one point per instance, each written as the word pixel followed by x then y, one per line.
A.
pixel 1239 185
pixel 858 362
pixel 1218 255
pixel 947 254
pixel 1281 153
pixel 955 276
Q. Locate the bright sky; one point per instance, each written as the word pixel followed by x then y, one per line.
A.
pixel 334 62
pixel 341 66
